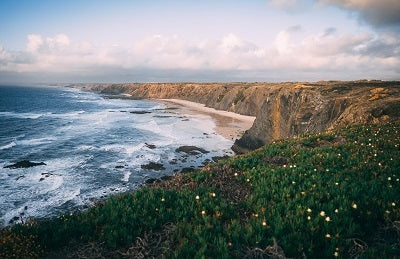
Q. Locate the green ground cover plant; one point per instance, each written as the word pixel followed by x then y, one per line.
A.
pixel 334 194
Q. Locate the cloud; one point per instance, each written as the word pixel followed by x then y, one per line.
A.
pixel 375 12
pixel 283 4
pixel 325 55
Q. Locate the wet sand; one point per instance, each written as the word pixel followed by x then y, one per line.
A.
pixel 228 124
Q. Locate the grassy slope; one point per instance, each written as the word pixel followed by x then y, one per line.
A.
pixel 336 193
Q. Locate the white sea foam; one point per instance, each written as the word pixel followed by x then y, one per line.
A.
pixel 9 145
pixel 36 141
pixel 125 178
pixel 25 115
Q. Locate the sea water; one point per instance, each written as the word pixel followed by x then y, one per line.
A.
pixel 93 146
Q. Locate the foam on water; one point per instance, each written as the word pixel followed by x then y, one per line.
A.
pixel 9 145
pixel 92 147
pixel 26 115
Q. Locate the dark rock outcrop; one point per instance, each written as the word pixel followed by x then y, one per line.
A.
pixel 150 146
pixel 23 164
pixel 139 112
pixel 191 150
pixel 153 166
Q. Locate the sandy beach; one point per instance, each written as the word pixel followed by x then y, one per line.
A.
pixel 228 124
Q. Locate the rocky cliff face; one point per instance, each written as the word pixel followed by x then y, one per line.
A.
pixel 282 109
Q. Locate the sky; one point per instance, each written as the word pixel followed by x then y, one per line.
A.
pixel 71 41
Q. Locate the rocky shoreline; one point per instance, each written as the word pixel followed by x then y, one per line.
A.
pixel 282 110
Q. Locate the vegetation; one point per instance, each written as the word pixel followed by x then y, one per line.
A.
pixel 239 97
pixel 335 194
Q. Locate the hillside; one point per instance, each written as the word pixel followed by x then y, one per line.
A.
pixel 335 194
pixel 282 109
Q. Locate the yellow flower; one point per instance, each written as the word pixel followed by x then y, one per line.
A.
pixel 336 184
pixel 387 212
pixel 197 197
pixel 336 211
pixel 203 212
pixel 354 206
pixel 213 194
pixel 162 199
pixel 393 204
pixel 264 223
pixel 336 254
pixel 322 213
pixel 328 236
pixel 389 178
pixel 327 219
pixel 309 218
pixel 303 193
pixel 309 210
pixel 236 174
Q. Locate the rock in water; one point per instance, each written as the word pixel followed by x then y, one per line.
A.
pixel 150 146
pixel 139 112
pixel 153 166
pixel 191 150
pixel 24 164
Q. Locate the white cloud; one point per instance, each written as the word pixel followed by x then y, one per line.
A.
pixel 34 42
pixel 346 54
pixel 283 4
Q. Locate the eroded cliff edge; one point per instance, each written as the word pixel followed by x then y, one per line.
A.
pixel 282 109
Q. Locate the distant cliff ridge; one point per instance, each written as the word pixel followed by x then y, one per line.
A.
pixel 282 109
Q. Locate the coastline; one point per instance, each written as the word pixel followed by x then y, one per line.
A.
pixel 230 125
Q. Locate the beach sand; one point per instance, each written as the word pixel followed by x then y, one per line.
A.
pixel 228 124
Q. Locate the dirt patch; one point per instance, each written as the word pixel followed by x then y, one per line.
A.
pixel 152 244
pixel 224 179
pixel 276 161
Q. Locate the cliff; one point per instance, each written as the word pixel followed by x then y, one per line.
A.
pixel 282 110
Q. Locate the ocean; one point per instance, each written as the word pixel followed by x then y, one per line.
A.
pixel 92 147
